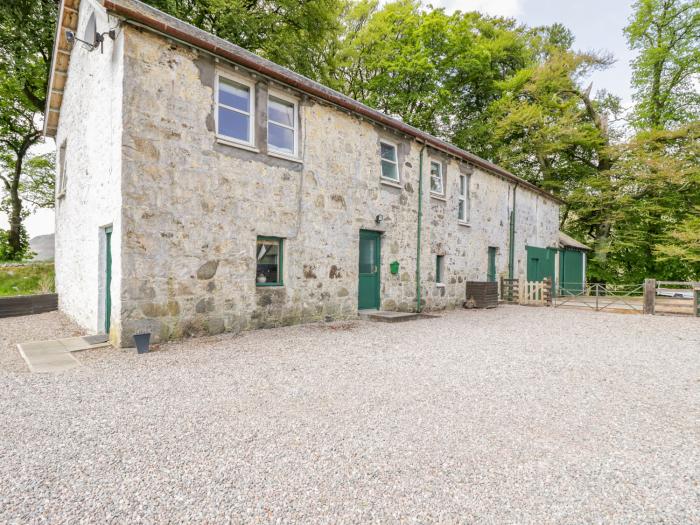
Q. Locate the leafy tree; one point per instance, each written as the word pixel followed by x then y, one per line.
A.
pixel 26 38
pixel 666 72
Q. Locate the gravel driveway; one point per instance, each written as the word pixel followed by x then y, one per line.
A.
pixel 514 415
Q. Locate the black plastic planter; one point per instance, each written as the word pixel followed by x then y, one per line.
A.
pixel 142 341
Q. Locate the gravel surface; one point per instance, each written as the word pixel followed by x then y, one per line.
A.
pixel 514 415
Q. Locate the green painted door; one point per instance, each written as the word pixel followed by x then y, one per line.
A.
pixel 571 272
pixel 368 289
pixel 491 274
pixel 108 279
pixel 540 263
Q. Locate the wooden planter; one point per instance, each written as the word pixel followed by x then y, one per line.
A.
pixel 28 304
pixel 481 294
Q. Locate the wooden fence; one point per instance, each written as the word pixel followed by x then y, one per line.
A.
pixel 28 304
pixel 522 291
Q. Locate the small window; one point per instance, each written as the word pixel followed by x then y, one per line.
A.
pixel 463 210
pixel 234 112
pixel 62 165
pixel 439 268
pixel 282 125
pixel 437 181
pixel 268 256
pixel 390 165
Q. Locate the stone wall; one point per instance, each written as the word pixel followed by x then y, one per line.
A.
pixel 90 127
pixel 194 207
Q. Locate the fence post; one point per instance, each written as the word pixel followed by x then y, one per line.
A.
pixel 649 296
pixel 547 291
pixel 522 290
pixel 597 292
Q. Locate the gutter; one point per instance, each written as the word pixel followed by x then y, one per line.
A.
pixel 153 19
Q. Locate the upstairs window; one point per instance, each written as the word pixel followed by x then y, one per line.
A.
pixel 282 125
pixel 437 180
pixel 268 255
pixel 390 165
pixel 235 110
pixel 463 210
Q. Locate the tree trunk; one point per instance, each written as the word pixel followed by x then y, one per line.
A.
pixel 14 238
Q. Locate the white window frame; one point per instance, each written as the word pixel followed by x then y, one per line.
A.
pixel 271 149
pixel 397 180
pixel 464 197
pixel 62 165
pixel 236 79
pixel 442 179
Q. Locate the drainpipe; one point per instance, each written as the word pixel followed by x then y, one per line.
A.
pixel 511 243
pixel 420 221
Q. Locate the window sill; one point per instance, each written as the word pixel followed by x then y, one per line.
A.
pixel 440 285
pixel 438 196
pixel 241 145
pixel 465 224
pixel 290 158
pixel 391 182
pixel 269 285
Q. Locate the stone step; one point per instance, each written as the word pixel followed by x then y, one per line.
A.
pixel 389 317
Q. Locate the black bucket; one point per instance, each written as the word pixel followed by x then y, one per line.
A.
pixel 142 341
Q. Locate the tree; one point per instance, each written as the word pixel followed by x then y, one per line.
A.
pixel 666 72
pixel 26 37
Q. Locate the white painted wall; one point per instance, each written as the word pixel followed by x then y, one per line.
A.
pixel 91 124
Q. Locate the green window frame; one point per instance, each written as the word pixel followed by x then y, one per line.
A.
pixel 269 261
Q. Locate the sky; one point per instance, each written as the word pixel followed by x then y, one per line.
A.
pixel 596 24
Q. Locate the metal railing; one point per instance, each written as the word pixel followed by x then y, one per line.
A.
pixel 600 296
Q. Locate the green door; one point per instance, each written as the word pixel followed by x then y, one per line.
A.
pixel 540 263
pixel 571 272
pixel 368 289
pixel 491 274
pixel 108 279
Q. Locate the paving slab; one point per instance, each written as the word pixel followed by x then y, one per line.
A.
pixel 55 355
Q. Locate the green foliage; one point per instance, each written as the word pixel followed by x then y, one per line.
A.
pixel 26 37
pixel 666 72
pixel 10 253
pixel 26 280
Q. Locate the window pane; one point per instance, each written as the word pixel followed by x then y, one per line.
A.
pixel 435 178
pixel 233 124
pixel 280 138
pixel 280 111
pixel 462 185
pixel 462 211
pixel 389 170
pixel 367 255
pixel 388 152
pixel 234 95
pixel 267 269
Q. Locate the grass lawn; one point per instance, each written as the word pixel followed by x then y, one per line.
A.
pixel 26 279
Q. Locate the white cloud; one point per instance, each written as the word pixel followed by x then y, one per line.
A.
pixel 510 8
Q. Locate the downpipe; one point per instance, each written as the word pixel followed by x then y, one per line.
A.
pixel 420 223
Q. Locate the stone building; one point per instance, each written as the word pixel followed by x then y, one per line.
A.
pixel 204 189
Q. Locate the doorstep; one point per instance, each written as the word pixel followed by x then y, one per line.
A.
pixel 383 316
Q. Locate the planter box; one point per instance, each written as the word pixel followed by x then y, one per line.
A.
pixel 481 294
pixel 28 304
